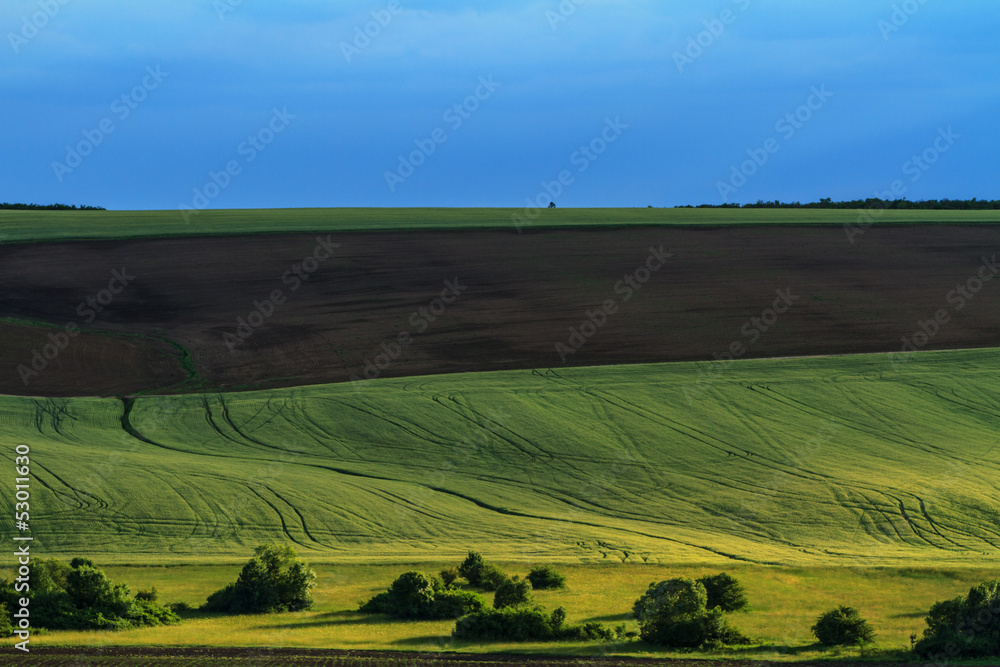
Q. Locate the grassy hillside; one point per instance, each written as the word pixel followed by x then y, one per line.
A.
pixel 840 460
pixel 62 225
pixel 784 604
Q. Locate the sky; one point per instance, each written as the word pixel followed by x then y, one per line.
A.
pixel 174 104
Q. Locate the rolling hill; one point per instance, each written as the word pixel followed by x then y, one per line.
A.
pixel 835 460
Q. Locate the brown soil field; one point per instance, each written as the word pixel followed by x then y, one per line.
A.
pixel 208 657
pixel 518 296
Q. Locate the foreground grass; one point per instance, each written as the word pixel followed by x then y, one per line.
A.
pixel 841 460
pixel 65 225
pixel 785 603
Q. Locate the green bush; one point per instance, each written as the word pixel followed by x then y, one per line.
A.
pixel 509 623
pixel 6 625
pixel 545 577
pixel 414 595
pixel 725 592
pixel 491 577
pixel 966 627
pixel 449 576
pixel 527 624
pixel 513 593
pixel 471 567
pixel 81 597
pixel 674 613
pixel 274 580
pixel 480 574
pixel 843 626
pixel 151 595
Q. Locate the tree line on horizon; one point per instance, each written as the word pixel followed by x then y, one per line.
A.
pixel 973 204
pixel 49 207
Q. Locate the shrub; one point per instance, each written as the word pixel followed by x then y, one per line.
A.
pixel 81 597
pixel 491 577
pixel 966 627
pixel 180 607
pixel 413 595
pixel 508 623
pixel 471 567
pixel 545 577
pixel 449 576
pixel 513 593
pixel 151 595
pixel 674 613
pixel 724 592
pixel 274 580
pixel 526 624
pixel 590 632
pixel 843 626
pixel 6 625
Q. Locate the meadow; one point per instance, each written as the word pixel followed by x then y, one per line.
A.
pixel 817 461
pixel 68 225
pixel 785 603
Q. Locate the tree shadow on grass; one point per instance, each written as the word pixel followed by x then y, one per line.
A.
pixel 335 618
pixel 915 614
pixel 612 617
pixel 746 651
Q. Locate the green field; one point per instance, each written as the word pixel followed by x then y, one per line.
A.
pixel 66 225
pixel 822 461
pixel 785 603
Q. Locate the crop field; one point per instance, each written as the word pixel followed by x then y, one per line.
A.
pixel 796 462
pixel 201 315
pixel 816 474
pixel 64 225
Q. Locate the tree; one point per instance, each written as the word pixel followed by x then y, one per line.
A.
pixel 414 595
pixel 471 567
pixel 843 626
pixel 545 577
pixel 966 627
pixel 274 580
pixel 78 596
pixel 448 576
pixel 674 613
pixel 491 577
pixel 725 592
pixel 513 593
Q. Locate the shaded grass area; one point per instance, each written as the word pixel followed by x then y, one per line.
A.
pixel 64 225
pixel 785 603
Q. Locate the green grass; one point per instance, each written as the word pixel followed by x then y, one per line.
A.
pixel 64 225
pixel 825 461
pixel 785 604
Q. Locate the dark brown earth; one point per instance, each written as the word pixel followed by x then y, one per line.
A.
pixel 255 657
pixel 522 294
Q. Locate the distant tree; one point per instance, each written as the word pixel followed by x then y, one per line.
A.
pixel 552 204
pixel 546 577
pixel 471 567
pixel 964 628
pixel 274 580
pixel 674 613
pixel 80 597
pixel 513 593
pixel 725 592
pixel 449 575
pixel 414 595
pixel 491 577
pixel 843 626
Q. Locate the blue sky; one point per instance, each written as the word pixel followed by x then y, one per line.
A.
pixel 694 90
